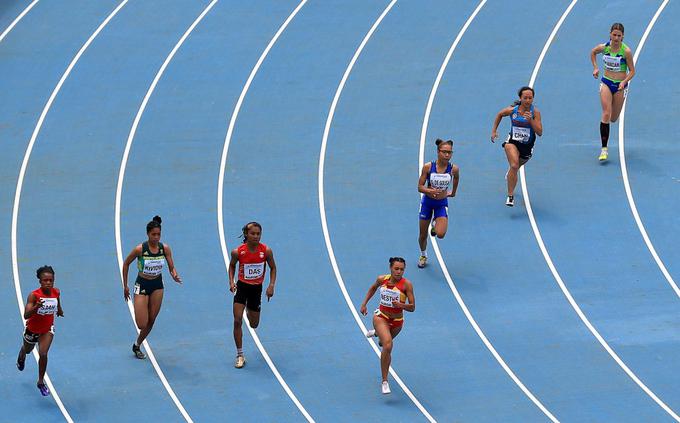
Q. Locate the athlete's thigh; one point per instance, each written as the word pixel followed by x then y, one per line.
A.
pixel 141 306
pixel 395 331
pixel 617 104
pixel 44 342
pixel 605 98
pixel 512 153
pixel 155 302
pixel 382 328
pixel 253 317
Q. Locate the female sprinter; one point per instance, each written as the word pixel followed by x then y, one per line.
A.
pixel 619 69
pixel 151 257
pixel 525 125
pixel 388 319
pixel 252 257
pixel 41 306
pixel 438 181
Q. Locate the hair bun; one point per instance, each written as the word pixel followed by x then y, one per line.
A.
pixel 157 219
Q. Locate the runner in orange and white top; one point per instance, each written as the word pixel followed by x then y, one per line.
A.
pixel 388 319
pixel 252 257
pixel 41 306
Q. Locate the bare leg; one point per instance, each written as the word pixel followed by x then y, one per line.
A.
pixel 44 344
pixel 512 153
pixel 423 226
pixel 617 105
pixel 238 323
pixel 441 225
pixel 155 300
pixel 382 328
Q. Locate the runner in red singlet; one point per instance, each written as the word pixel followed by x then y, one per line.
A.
pixel 41 306
pixel 252 257
pixel 388 319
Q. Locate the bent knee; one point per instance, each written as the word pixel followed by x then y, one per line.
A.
pixel 254 325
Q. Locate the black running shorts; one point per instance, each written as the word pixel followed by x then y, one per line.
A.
pixel 250 295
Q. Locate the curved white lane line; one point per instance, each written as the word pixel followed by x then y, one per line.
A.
pixel 322 209
pixel 119 190
pixel 624 169
pixel 20 183
pixel 553 269
pixel 435 245
pixel 220 189
pixel 16 20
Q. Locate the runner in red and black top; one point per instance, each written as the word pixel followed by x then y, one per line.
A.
pixel 388 319
pixel 41 306
pixel 252 257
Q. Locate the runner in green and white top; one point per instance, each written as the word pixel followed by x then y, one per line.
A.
pixel 619 69
pixel 151 256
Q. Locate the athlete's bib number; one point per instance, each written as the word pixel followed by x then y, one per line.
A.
pixel 440 180
pixel 253 270
pixel 49 306
pixel 153 267
pixel 521 134
pixel 388 297
pixel 612 63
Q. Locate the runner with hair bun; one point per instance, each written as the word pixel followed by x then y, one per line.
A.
pixel 388 318
pixel 525 124
pixel 41 306
pixel 252 257
pixel 151 256
pixel 619 69
pixel 438 181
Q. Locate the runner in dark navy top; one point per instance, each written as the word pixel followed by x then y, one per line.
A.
pixel 519 146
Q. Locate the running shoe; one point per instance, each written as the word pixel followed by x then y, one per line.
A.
pixel 138 352
pixel 21 364
pixel 604 154
pixel 240 361
pixel 510 201
pixel 422 261
pixel 370 333
pixel 386 388
pixel 432 231
pixel 44 390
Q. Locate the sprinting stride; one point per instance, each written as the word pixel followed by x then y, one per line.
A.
pixel 41 306
pixel 438 181
pixel 619 69
pixel 151 256
pixel 525 124
pixel 252 257
pixel 388 318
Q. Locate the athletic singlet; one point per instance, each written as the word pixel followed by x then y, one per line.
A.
pixel 251 265
pixel 614 62
pixel 42 321
pixel 150 264
pixel 439 181
pixel 520 129
pixel 390 294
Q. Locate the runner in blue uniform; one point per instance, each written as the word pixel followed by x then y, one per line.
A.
pixel 438 181
pixel 519 146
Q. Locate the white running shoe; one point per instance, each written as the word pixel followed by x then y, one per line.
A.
pixel 240 361
pixel 386 388
pixel 510 201
pixel 370 333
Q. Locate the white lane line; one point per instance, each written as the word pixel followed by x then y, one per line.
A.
pixel 435 245
pixel 119 191
pixel 16 20
pixel 553 269
pixel 624 169
pixel 20 183
pixel 322 210
pixel 220 189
